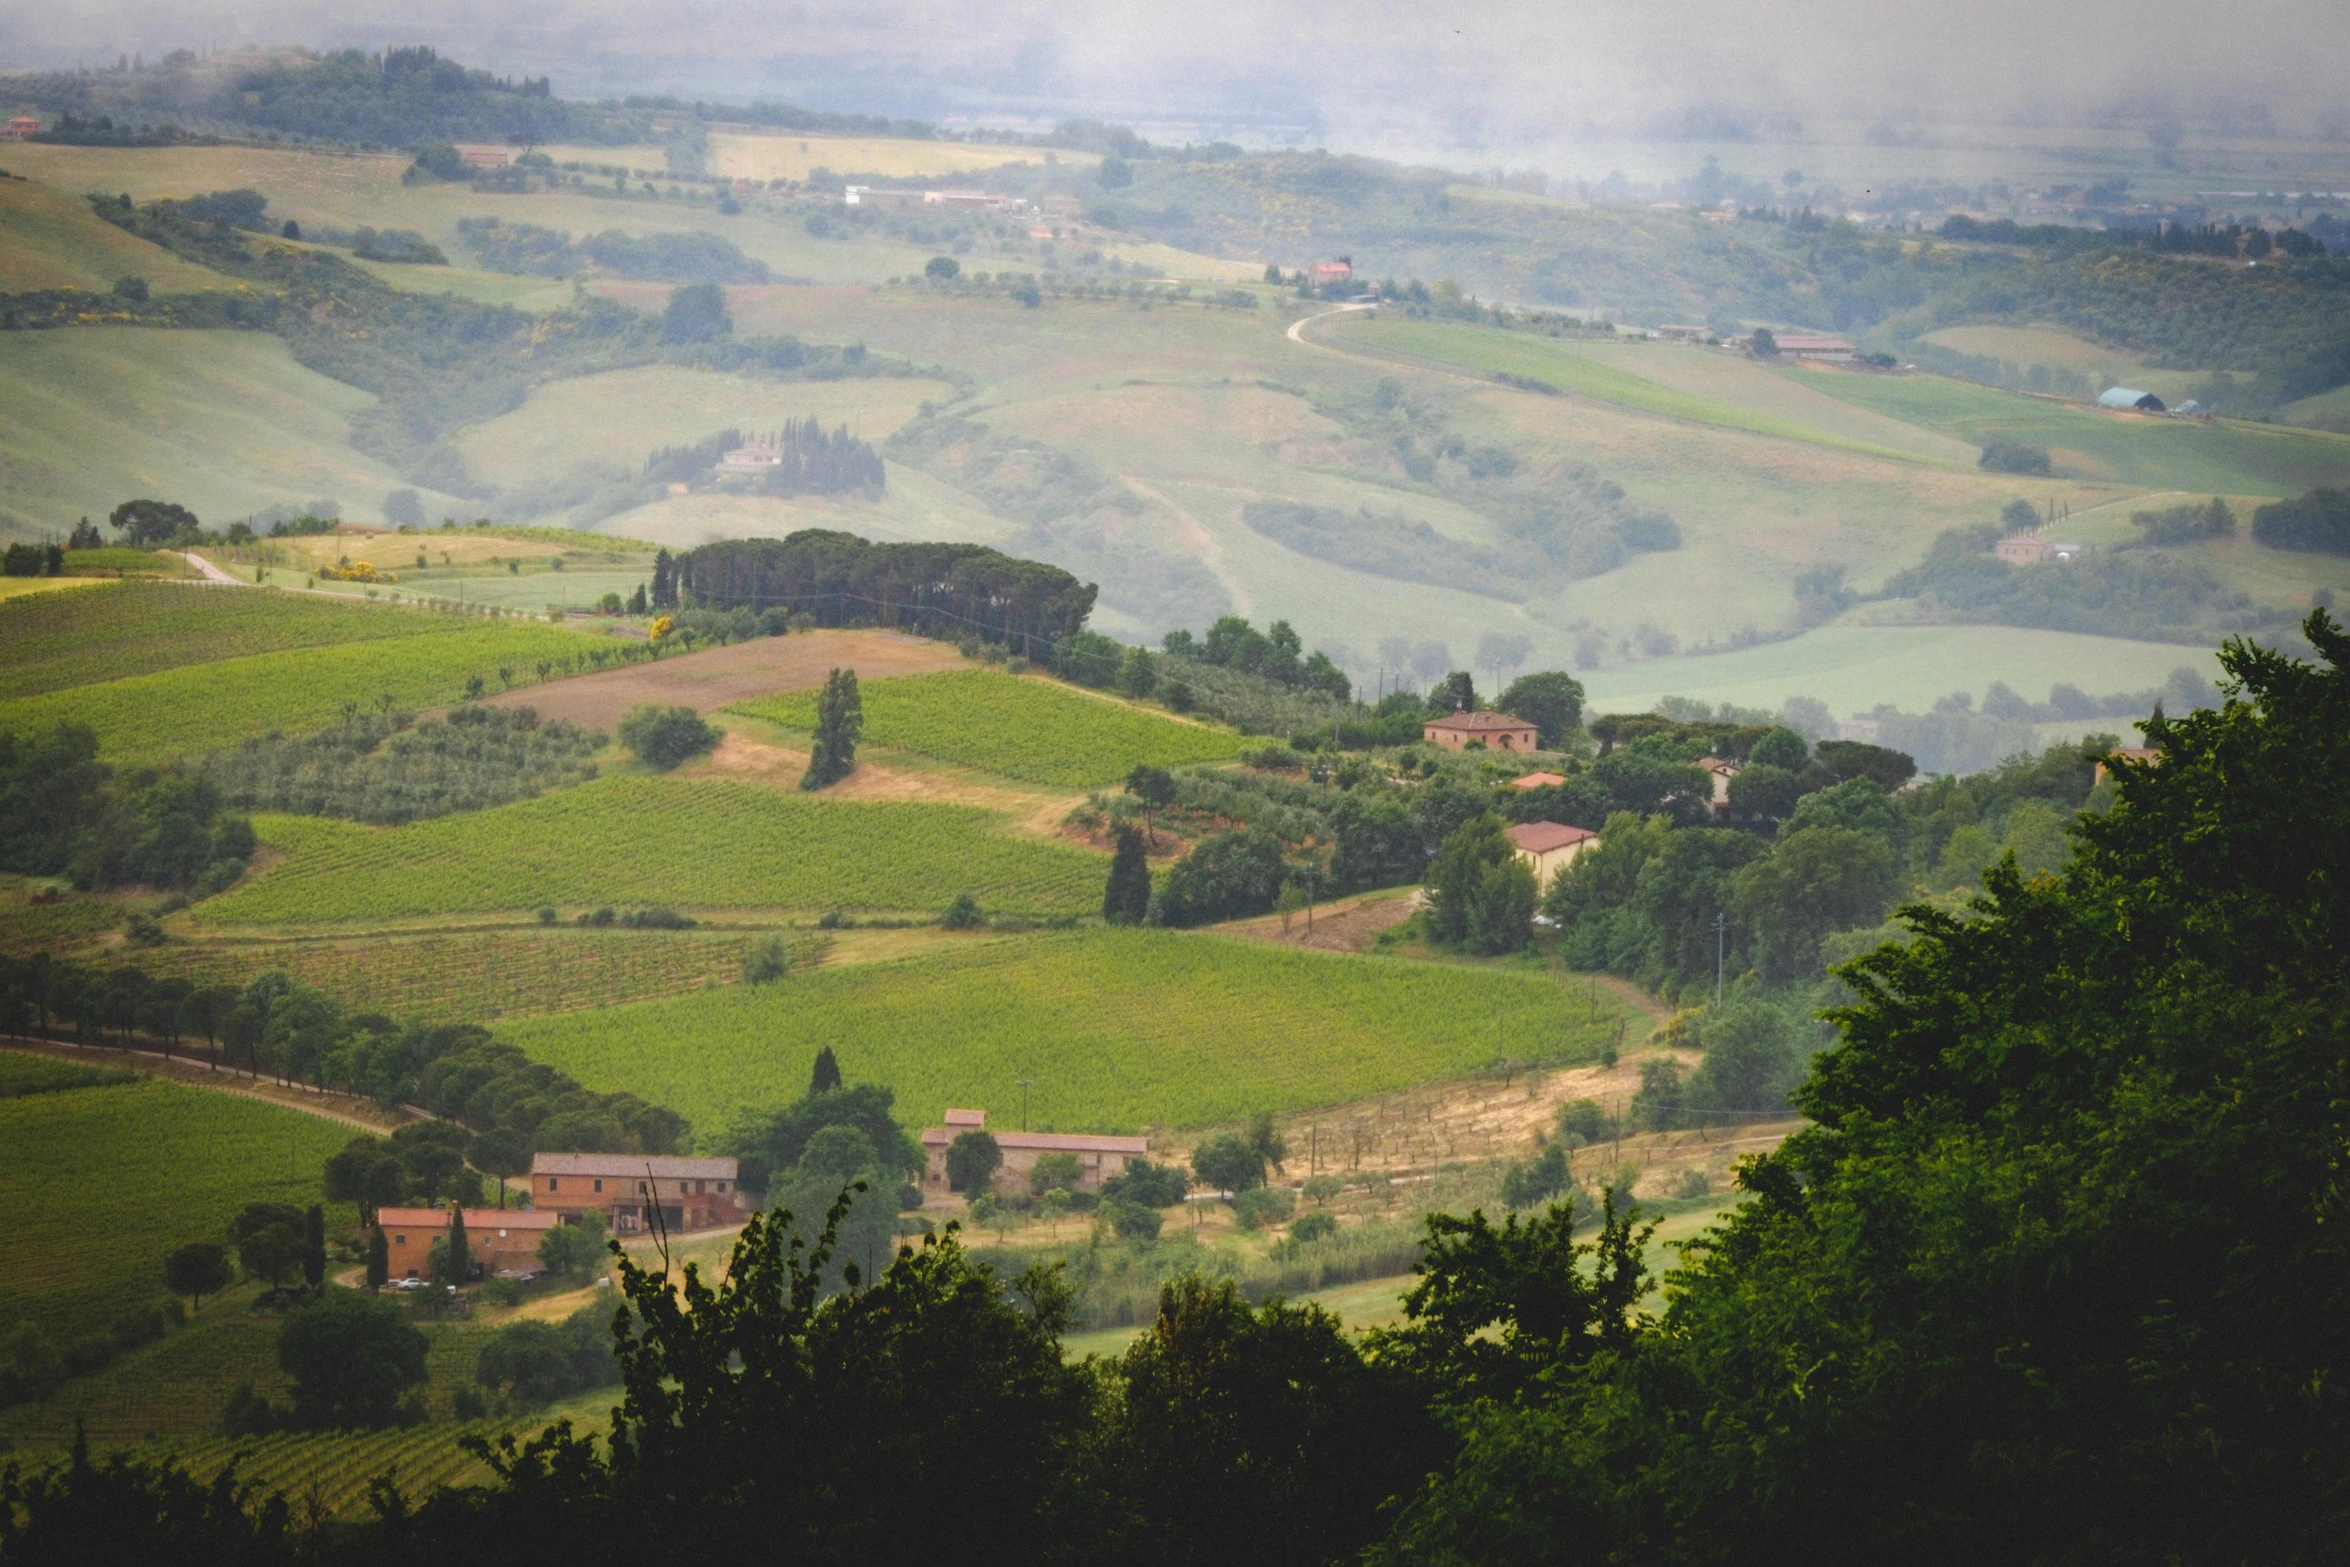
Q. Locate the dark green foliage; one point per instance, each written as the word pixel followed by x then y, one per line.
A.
pixel 2186 524
pixel 387 768
pixel 1480 894
pixel 809 462
pixel 1275 655
pixel 575 1250
pixel 1539 1180
pixel 198 1269
pixel 1551 701
pixel 696 313
pixel 689 257
pixel 663 738
pixel 941 269
pixel 536 1363
pixel 1229 1162
pixel 1147 1185
pixel 2013 457
pixel 824 1077
pixel 1127 899
pixel 770 1142
pixel 1131 1221
pixel 972 1161
pixel 1849 759
pixel 145 524
pixel 379 1258
pixel 268 1240
pixel 1228 875
pixel 351 1358
pixel 314 1248
pixel 962 914
pixel 930 589
pixel 2153 596
pixel 2317 521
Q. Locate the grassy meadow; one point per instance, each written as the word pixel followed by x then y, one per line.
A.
pixel 1033 730
pixel 631 840
pixel 1116 1029
pixel 102 1183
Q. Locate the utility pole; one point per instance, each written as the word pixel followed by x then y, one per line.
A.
pixel 1721 951
pixel 1024 1104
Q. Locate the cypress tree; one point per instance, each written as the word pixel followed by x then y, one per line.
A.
pixel 379 1259
pixel 314 1248
pixel 460 1252
pixel 826 1077
pixel 840 719
pixel 1127 899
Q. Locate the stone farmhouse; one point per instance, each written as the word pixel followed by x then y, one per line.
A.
pixel 1098 1157
pixel 635 1191
pixel 504 1242
pixel 1499 732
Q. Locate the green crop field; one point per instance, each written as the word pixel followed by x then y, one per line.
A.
pixel 154 718
pixel 50 642
pixel 1031 729
pixel 100 1183
pixel 634 840
pixel 475 975
pixel 2222 458
pixel 1115 1029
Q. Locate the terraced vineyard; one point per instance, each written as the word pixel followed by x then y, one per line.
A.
pixel 119 629
pixel 155 718
pixel 174 1388
pixel 477 975
pixel 1031 730
pixel 337 1467
pixel 1115 1029
pixel 100 1183
pixel 637 840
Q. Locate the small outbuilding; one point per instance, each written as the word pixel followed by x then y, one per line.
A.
pixel 2129 397
pixel 1537 781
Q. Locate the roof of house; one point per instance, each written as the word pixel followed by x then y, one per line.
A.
pixel 1545 837
pixel 1537 781
pixel 1044 1142
pixel 410 1218
pixel 1479 722
pixel 662 1167
pixel 1714 764
pixel 1801 342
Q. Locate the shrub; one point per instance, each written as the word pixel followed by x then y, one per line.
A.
pixel 1132 1221
pixel 962 914
pixel 664 737
pixel 2013 457
pixel 1265 1205
pixel 1310 1227
pixel 766 962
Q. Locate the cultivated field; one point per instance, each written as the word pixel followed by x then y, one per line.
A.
pixel 716 677
pixel 783 156
pixel 125 629
pixel 50 238
pixel 632 841
pixel 153 718
pixel 101 1183
pixel 1116 1030
pixel 1034 730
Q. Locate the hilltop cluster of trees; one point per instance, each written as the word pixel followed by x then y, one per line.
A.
pixel 276 1025
pixel 2143 593
pixel 946 590
pixel 690 257
pixel 814 463
pixel 388 768
pixel 65 813
pixel 2317 521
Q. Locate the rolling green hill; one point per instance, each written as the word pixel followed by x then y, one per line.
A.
pixel 1117 1030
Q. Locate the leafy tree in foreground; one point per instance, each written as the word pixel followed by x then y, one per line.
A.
pixel 2057 1272
pixel 840 721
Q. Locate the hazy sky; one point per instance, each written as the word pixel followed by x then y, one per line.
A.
pixel 1371 73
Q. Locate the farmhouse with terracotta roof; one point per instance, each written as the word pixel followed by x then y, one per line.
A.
pixel 504 1242
pixel 628 1188
pixel 1499 731
pixel 1549 848
pixel 1098 1157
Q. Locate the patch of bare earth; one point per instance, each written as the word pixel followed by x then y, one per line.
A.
pixel 710 679
pixel 780 766
pixel 1342 925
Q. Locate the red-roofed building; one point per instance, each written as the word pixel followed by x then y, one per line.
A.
pixel 1537 781
pixel 1098 1157
pixel 691 1194
pixel 1326 273
pixel 1549 848
pixel 504 1242
pixel 1498 731
pixel 1798 345
pixel 20 127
